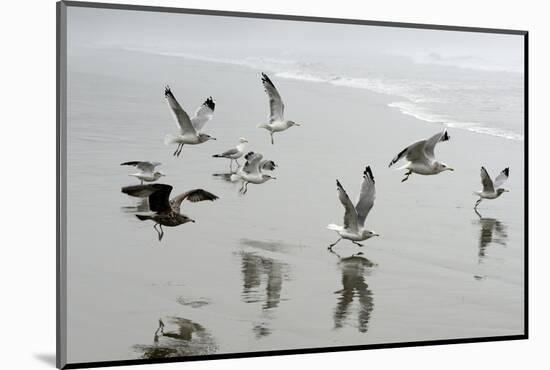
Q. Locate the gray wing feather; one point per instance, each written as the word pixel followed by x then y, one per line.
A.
pixel 367 194
pixel 276 105
pixel 350 214
pixel 502 177
pixel 486 181
pixel 203 114
pixel 180 115
pixel 195 195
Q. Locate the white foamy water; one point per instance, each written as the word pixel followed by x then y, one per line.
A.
pixel 453 92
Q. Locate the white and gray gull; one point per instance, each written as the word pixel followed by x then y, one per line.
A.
pixel 277 122
pixel 492 189
pixel 234 153
pixel 252 172
pixel 355 216
pixel 147 173
pixel 421 157
pixel 190 129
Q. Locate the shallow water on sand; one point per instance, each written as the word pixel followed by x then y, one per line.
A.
pixel 253 273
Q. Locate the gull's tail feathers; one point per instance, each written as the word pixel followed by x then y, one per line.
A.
pixel 170 139
pixel 234 177
pixel 334 227
pixel 263 125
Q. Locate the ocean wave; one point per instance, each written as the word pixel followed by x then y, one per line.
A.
pixel 424 115
pixel 416 92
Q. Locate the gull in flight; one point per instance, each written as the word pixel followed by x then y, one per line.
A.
pixel 147 173
pixel 252 171
pixel 167 211
pixel 234 153
pixel 190 128
pixel 355 216
pixel 277 122
pixel 492 189
pixel 421 157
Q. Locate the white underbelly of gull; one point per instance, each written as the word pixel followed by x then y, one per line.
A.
pixel 355 216
pixel 421 157
pixel 147 173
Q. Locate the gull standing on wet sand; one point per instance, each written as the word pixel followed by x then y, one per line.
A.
pixel 252 171
pixel 147 173
pixel 355 216
pixel 167 211
pixel 277 122
pixel 190 128
pixel 234 153
pixel 492 190
pixel 421 157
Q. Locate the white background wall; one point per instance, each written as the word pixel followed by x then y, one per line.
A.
pixel 27 119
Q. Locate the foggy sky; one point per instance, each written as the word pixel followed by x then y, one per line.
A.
pixel 88 27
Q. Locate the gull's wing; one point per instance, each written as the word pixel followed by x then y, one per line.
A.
pixel 203 114
pixel 267 165
pixel 147 167
pixel 486 181
pixel 414 152
pixel 276 106
pixel 367 194
pixel 159 200
pixel 195 195
pixel 502 177
pixel 252 164
pixel 431 143
pixel 229 152
pixel 421 151
pixel 350 215
pixel 181 116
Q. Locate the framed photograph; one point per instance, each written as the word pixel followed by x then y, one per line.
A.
pixel 236 184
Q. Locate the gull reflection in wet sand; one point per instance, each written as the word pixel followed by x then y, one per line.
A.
pixel 258 270
pixel 182 338
pixel 141 205
pixel 492 231
pixel 353 271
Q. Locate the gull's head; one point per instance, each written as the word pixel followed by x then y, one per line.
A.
pixel 292 123
pixel 501 190
pixel 369 234
pixel 205 137
pixel 440 167
pixel 242 140
pixel 158 174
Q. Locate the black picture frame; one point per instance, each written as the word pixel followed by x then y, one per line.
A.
pixel 61 161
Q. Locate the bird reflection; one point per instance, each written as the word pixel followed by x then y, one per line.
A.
pixel 353 270
pixel 185 338
pixel 492 231
pixel 226 176
pixel 259 271
pixel 256 270
pixel 142 205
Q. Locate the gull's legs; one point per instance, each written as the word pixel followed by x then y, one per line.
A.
pixel 272 142
pixel 407 174
pixel 161 233
pixel 181 148
pixel 356 243
pixel 245 187
pixel 176 152
pixel 477 203
pixel 333 244
pixel 155 227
